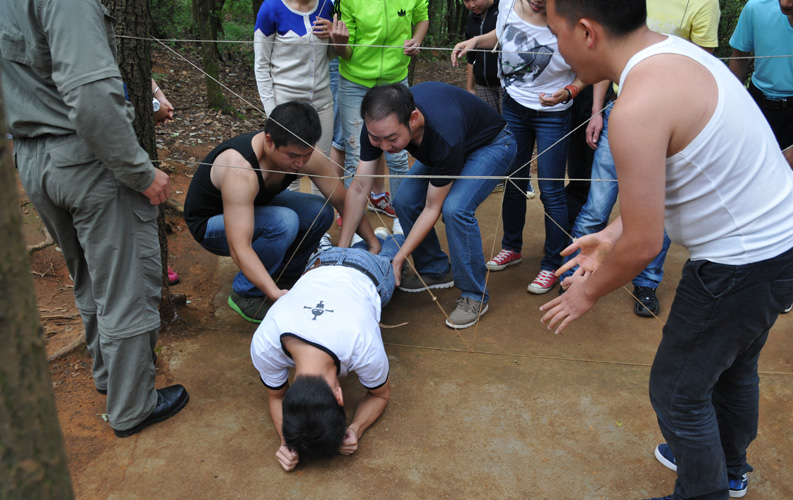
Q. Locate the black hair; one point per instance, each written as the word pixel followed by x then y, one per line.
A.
pixel 294 123
pixel 314 423
pixel 384 100
pixel 618 17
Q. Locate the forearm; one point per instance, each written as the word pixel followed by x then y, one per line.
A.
pixel 253 269
pixel 364 229
pixel 486 41
pixel 368 411
pixel 275 402
pixel 420 30
pixel 109 134
pixel 470 80
pixel 739 67
pixel 599 91
pixel 424 224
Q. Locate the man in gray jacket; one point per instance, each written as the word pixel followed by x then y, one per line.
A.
pixel 95 189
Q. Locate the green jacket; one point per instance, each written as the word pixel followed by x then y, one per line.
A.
pixel 379 22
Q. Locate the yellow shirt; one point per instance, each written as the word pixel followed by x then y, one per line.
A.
pixel 693 20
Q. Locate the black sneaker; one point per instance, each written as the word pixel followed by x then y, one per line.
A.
pixel 647 303
pixel 252 309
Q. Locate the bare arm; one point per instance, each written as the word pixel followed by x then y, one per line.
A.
pixel 332 188
pixel 275 400
pixel 739 67
pixel 640 135
pixel 470 81
pixel 425 222
pixel 595 125
pixel 486 41
pixel 238 188
pixel 411 45
pixel 560 95
pixel 355 205
pixel 368 411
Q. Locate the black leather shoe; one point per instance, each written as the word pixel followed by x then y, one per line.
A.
pixel 169 401
pixel 647 305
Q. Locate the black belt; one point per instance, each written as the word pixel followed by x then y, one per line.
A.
pixel 318 263
pixel 767 102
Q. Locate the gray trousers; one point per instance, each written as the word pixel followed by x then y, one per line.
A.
pixel 108 234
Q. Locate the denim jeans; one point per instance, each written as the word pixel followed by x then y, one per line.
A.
pixel 378 267
pixel 285 233
pixel 338 135
pixel 704 384
pixel 597 209
pixel 459 215
pixel 546 127
pixel 350 96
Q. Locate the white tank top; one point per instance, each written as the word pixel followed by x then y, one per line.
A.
pixel 729 193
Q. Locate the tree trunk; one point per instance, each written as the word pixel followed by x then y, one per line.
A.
pixel 134 60
pixel 32 458
pixel 207 15
pixel 257 4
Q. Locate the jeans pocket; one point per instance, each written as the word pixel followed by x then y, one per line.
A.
pixel 715 279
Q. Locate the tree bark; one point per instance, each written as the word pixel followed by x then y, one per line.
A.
pixel 207 16
pixel 32 458
pixel 134 60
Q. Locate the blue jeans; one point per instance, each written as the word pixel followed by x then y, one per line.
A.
pixel 285 233
pixel 459 215
pixel 338 135
pixel 546 127
pixel 594 216
pixel 350 96
pixel 377 267
pixel 704 384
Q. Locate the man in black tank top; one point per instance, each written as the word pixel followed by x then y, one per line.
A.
pixel 238 206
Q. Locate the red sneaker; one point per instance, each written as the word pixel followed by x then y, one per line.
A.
pixel 381 203
pixel 543 283
pixel 338 219
pixel 503 259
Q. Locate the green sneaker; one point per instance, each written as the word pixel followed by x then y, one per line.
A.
pixel 252 309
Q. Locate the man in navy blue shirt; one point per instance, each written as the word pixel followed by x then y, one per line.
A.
pixel 454 137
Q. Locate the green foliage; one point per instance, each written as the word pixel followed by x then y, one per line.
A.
pixel 172 19
pixel 238 23
pixel 730 11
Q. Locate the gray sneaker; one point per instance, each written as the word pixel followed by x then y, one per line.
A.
pixel 412 283
pixel 466 314
pixel 252 309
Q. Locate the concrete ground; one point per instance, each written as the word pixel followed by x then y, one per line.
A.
pixel 503 410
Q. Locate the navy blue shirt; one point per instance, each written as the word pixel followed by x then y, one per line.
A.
pixel 456 123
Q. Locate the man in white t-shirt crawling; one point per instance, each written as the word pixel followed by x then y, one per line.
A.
pixel 325 327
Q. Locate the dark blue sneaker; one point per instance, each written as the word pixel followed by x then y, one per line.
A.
pixel 668 497
pixel 664 455
pixel 738 486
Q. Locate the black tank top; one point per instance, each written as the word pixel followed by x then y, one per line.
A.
pixel 204 201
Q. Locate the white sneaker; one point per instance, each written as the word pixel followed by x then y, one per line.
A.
pixel 355 239
pixel 397 227
pixel 324 243
pixel 530 194
pixel 381 232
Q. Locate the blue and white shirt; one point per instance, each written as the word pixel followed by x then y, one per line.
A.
pixel 290 62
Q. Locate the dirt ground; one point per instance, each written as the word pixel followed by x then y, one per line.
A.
pixel 503 410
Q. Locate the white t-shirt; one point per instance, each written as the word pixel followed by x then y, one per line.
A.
pixel 334 308
pixel 729 193
pixel 530 62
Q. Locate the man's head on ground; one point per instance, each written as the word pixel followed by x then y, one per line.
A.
pixel 586 29
pixel 478 7
pixel 314 422
pixel 291 131
pixel 390 115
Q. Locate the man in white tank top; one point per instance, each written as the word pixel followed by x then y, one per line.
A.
pixel 693 153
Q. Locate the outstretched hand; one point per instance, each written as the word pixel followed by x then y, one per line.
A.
pixel 568 307
pixel 350 443
pixel 461 49
pixel 287 458
pixel 594 250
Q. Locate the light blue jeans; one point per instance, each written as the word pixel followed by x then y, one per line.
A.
pixel 338 134
pixel 350 96
pixel 594 216
pixel 377 267
pixel 285 233
pixel 459 215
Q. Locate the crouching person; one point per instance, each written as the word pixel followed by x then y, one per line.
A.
pixel 326 327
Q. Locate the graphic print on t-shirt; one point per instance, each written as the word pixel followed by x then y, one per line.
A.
pixel 530 59
pixel 318 310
